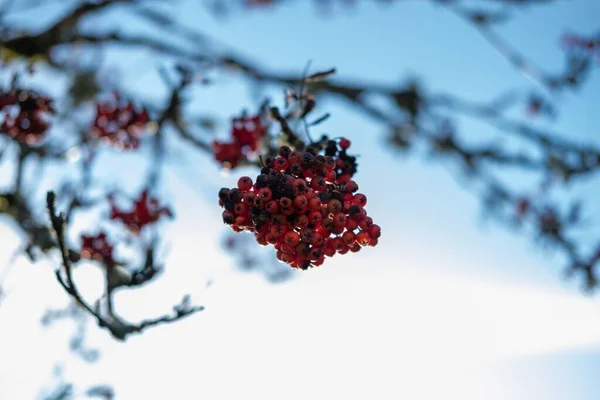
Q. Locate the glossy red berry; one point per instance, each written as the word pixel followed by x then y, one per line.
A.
pixel 360 199
pixel 245 183
pixel 292 238
pixel 363 238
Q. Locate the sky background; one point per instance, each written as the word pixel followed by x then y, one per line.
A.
pixel 448 306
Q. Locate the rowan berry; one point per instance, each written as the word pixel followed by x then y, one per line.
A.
pixel 302 221
pixel 374 231
pixel 334 206
pixel 245 183
pixel 315 218
pixel 224 194
pixel 294 157
pixel 240 208
pixel 288 211
pixel 348 238
pixel 339 219
pixel 295 169
pixel 345 143
pixel 285 202
pixel 314 204
pixel 281 163
pixel 360 199
pixel 363 238
pixel 307 159
pixel 365 223
pixel 300 201
pixel 329 251
pixel 351 224
pixel 285 151
pixel 317 240
pixel 265 194
pixel 351 186
pixel 272 207
pixel 235 195
pixel 306 235
pixel 228 217
pixel 279 219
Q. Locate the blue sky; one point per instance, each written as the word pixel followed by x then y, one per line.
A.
pixel 446 307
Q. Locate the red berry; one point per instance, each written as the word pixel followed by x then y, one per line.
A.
pixel 271 238
pixel 351 224
pixel 291 238
pixel 334 206
pixel 285 202
pixel 363 238
pixel 287 211
pixel 338 229
pixel 365 223
pixel 337 244
pixel 319 261
pixel 348 238
pixel 265 194
pixel 329 251
pixel 272 207
pixel 302 221
pixel 351 186
pixel 345 143
pixel 315 218
pixel 281 163
pixel 295 158
pixel 245 183
pixel 360 199
pixel 374 231
pixel 339 219
pixel 306 235
pixel 314 203
pixel 240 208
pixel 279 219
pixel 317 240
pixel 300 201
pixel 228 217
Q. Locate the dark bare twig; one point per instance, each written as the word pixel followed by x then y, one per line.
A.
pixel 118 328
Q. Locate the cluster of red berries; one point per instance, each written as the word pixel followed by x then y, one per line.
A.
pixel 304 204
pixel 146 210
pixel 97 248
pixel 246 134
pixel 26 115
pixel 120 123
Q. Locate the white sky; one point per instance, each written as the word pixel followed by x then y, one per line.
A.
pixel 368 325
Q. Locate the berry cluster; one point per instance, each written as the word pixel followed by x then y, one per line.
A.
pixel 120 123
pixel 25 115
pixel 97 248
pixel 146 210
pixel 305 204
pixel 246 134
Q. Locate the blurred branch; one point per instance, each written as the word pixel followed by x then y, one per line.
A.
pixel 118 328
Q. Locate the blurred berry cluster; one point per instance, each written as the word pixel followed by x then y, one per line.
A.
pixel 120 123
pixel 26 115
pixel 246 134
